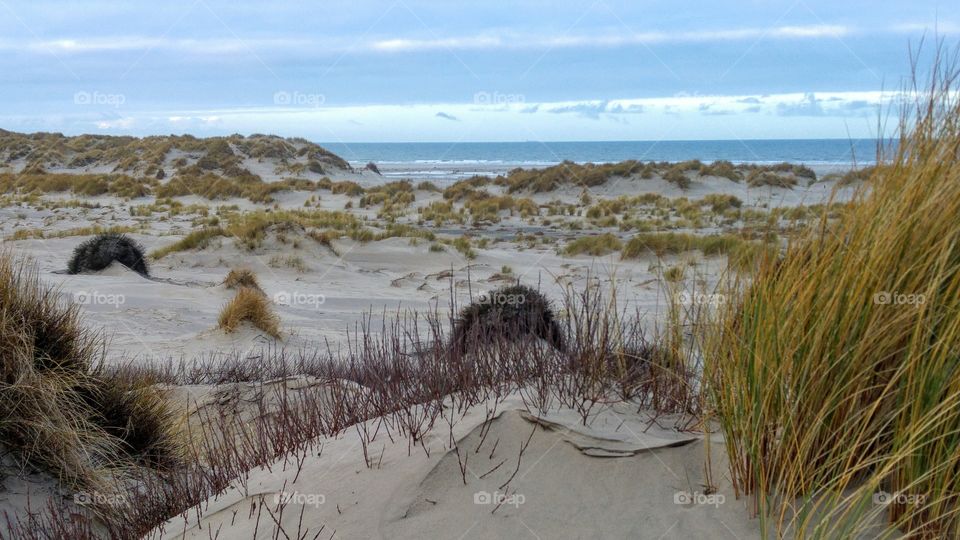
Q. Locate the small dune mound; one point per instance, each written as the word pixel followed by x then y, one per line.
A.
pixel 241 278
pixel 102 250
pixel 508 312
pixel 250 306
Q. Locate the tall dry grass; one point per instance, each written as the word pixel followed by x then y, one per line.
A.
pixel 44 355
pixel 61 413
pixel 239 278
pixel 836 374
pixel 249 305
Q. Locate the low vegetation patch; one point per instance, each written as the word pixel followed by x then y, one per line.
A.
pixel 678 176
pixel 25 234
pixel 468 188
pixel 464 246
pixel 595 246
pixel 87 185
pixel 569 173
pixel 758 177
pixel 488 209
pixel 722 169
pixel 239 278
pixel 440 213
pixel 198 239
pixel 348 188
pixel 428 186
pixel 720 202
pixel 742 253
pixel 252 307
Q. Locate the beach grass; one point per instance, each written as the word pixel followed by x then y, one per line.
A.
pixel 672 243
pixel 249 305
pixel 63 414
pixel 835 372
pixel 239 278
pixel 595 246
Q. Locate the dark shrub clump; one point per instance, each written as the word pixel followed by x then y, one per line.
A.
pixel 509 312
pixel 98 252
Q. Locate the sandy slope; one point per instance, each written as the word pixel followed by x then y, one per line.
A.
pixel 561 488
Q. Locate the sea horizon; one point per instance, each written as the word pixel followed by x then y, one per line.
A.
pixel 446 161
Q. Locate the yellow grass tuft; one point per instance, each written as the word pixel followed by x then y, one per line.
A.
pixel 239 278
pixel 251 306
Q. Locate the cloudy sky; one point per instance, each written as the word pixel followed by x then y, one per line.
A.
pixel 409 70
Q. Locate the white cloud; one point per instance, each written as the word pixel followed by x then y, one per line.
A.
pixel 815 114
pixel 116 124
pixel 940 27
pixel 194 121
pixel 482 41
pixel 821 30
pixel 143 43
pixel 744 116
pixel 487 41
pixel 401 45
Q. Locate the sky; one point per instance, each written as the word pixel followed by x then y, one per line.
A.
pixel 408 70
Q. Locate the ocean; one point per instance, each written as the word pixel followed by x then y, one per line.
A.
pixel 452 161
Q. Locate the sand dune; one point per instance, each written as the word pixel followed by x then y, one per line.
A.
pixel 627 474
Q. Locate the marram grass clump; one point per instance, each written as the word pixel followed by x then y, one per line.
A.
pixel 836 372
pixel 595 246
pixel 239 278
pixel 249 306
pixel 102 250
pixel 512 312
pixel 62 413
